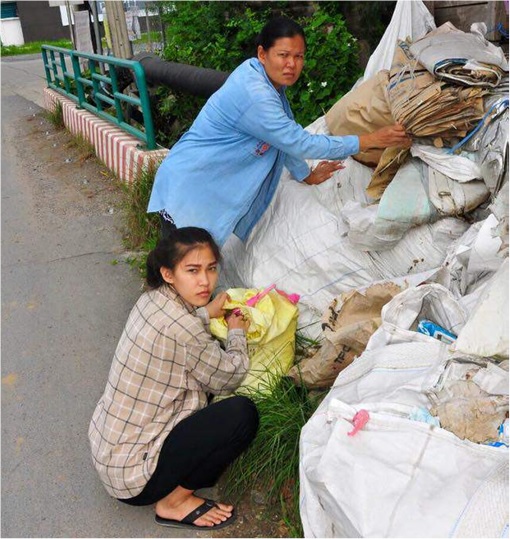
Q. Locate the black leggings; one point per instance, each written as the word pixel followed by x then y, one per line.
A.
pixel 200 447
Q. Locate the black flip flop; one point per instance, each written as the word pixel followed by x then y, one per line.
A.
pixel 188 521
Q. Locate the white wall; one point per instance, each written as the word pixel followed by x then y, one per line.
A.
pixel 11 33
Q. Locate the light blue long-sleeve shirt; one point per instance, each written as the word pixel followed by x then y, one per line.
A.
pixel 222 174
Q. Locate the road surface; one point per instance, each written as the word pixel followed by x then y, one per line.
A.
pixel 65 300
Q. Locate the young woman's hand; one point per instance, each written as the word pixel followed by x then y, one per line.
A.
pixel 236 320
pixel 323 171
pixel 215 307
pixel 391 135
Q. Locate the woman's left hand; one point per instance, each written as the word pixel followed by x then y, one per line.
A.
pixel 323 171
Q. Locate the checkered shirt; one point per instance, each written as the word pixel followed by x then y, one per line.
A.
pixel 165 364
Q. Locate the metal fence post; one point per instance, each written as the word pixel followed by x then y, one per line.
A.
pixel 77 76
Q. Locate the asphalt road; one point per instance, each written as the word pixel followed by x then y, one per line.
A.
pixel 64 304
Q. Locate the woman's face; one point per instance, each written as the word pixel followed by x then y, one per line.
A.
pixel 194 278
pixel 283 61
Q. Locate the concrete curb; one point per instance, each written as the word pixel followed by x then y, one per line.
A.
pixel 118 150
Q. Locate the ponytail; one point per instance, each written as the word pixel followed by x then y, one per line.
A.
pixel 153 275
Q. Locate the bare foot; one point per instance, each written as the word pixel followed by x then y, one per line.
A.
pixel 176 506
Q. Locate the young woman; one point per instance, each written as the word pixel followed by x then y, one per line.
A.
pixel 154 437
pixel 222 174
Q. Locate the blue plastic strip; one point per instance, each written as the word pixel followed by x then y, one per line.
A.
pixel 478 126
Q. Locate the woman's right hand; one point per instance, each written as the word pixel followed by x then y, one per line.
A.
pixel 215 307
pixel 386 137
pixel 236 320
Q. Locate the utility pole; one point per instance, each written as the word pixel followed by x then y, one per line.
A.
pixel 149 40
pixel 70 20
pixel 118 29
pixel 97 32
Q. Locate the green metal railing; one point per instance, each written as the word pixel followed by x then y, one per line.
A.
pixel 96 89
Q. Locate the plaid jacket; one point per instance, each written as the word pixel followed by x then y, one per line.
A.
pixel 165 364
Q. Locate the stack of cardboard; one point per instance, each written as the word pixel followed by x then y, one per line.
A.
pixel 437 88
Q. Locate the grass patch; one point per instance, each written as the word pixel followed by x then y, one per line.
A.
pixel 33 47
pixel 272 461
pixel 56 116
pixel 84 147
pixel 153 37
pixel 143 228
pixel 305 346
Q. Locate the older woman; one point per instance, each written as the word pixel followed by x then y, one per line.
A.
pixel 222 174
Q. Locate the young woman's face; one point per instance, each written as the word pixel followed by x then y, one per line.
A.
pixel 283 61
pixel 194 278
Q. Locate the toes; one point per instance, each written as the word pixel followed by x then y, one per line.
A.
pixel 225 507
pixel 211 519
pixel 216 515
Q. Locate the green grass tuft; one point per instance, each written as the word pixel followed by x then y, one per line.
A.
pixel 272 460
pixel 83 146
pixel 143 227
pixel 56 116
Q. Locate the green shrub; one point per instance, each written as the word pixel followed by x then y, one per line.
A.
pixel 221 35
pixel 330 69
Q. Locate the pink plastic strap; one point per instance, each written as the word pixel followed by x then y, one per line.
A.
pixel 293 298
pixel 257 297
pixel 359 420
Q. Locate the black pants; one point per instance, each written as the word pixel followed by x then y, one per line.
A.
pixel 200 447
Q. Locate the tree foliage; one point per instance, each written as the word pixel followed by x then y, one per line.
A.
pixel 221 35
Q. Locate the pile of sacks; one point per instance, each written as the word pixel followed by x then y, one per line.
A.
pixel 420 92
pixel 410 440
pixel 431 455
pixel 415 425
pixel 395 222
pixel 449 89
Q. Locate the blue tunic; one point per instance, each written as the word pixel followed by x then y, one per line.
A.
pixel 222 174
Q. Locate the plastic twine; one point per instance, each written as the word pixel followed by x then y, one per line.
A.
pixel 477 128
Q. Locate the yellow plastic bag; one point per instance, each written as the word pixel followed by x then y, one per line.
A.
pixel 271 335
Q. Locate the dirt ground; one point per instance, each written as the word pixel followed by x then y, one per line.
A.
pixel 73 181
pixel 255 518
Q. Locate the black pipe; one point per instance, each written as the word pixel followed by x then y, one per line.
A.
pixel 193 80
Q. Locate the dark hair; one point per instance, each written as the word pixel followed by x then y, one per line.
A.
pixel 170 251
pixel 277 28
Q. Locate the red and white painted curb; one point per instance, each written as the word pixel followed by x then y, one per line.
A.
pixel 117 149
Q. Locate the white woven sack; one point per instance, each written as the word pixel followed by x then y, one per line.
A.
pixel 396 477
pixel 486 331
pixel 400 316
pixel 410 20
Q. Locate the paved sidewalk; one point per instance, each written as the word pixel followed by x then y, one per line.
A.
pixel 65 300
pixel 23 76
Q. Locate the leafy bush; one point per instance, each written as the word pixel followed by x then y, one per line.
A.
pixel 221 35
pixel 331 66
